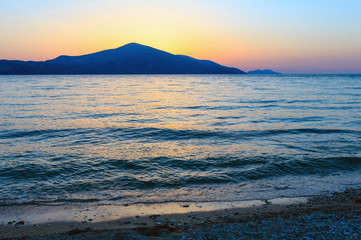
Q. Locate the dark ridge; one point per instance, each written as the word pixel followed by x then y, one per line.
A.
pixel 131 58
pixel 266 71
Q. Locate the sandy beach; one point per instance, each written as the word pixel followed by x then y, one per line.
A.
pixel 335 216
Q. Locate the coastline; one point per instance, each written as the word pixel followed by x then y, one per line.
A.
pixel 338 214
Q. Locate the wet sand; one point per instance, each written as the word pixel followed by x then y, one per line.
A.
pixel 337 216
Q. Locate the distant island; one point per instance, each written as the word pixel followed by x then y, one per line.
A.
pixel 266 71
pixel 132 58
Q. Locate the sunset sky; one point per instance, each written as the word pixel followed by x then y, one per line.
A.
pixel 290 36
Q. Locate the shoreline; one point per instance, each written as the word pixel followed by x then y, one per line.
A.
pixel 79 212
pixel 166 220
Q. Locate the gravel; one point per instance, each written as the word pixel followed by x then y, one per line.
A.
pixel 337 216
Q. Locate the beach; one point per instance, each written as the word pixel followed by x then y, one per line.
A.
pixel 335 216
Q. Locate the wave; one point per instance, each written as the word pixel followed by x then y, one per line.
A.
pixel 71 177
pixel 165 134
pixel 255 175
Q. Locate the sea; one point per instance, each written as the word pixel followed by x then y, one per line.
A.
pixel 127 139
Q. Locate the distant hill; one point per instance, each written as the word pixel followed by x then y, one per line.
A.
pixel 131 58
pixel 266 71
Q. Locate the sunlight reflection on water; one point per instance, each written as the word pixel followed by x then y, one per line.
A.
pixel 100 135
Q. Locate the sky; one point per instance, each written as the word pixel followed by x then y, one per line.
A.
pixel 289 36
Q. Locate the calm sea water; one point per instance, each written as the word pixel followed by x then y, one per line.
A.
pixel 157 138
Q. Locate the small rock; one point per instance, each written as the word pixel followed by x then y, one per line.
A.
pixel 154 216
pixel 252 225
pixel 185 205
pixel 88 228
pixel 9 223
pixel 90 219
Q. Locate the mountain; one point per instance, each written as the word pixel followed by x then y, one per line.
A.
pixel 266 71
pixel 131 58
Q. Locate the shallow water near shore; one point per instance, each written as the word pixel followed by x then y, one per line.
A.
pixel 40 214
pixel 126 139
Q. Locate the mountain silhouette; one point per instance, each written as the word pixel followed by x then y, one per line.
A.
pixel 266 71
pixel 131 58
